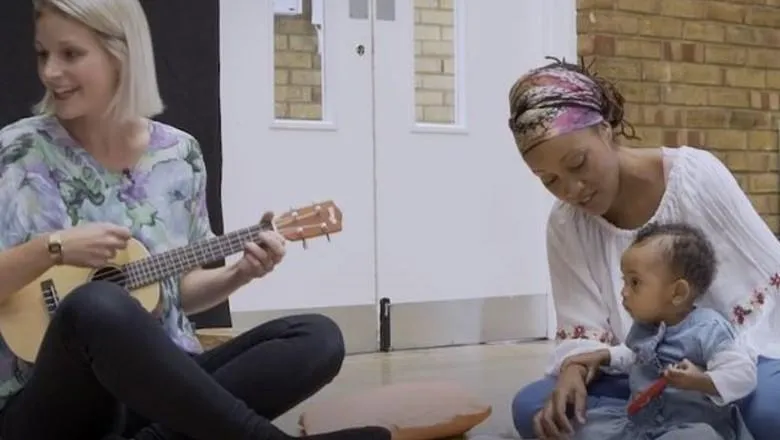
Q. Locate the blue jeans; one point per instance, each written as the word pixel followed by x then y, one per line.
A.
pixel 761 409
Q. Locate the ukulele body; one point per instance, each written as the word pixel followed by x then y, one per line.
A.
pixel 25 315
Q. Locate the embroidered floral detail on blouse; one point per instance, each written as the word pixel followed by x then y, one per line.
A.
pixel 580 332
pixel 754 303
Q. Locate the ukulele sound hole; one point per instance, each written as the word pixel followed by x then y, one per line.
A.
pixel 110 274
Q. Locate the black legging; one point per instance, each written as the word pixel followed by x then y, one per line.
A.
pixel 103 353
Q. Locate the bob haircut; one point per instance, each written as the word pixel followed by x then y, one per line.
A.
pixel 122 28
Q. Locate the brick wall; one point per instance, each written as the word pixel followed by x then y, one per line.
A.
pixel 699 72
pixel 298 93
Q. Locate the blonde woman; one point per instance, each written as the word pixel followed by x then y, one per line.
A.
pixel 77 180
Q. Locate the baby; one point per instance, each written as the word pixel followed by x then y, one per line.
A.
pixel 665 269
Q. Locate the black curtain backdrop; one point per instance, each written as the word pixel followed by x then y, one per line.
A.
pixel 185 34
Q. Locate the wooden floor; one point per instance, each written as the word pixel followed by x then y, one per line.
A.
pixel 495 372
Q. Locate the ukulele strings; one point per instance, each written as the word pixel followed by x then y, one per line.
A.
pixel 122 278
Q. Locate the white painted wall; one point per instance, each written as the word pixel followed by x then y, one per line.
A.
pixel 457 214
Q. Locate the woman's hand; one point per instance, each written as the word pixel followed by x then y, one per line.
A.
pixel 592 361
pixel 92 245
pixel 261 257
pixel 552 421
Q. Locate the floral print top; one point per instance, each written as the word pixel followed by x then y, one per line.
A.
pixel 48 183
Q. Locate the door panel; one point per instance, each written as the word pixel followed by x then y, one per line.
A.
pixel 461 221
pixel 296 100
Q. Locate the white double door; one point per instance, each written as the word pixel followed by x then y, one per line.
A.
pixel 397 111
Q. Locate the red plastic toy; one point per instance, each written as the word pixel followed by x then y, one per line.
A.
pixel 647 395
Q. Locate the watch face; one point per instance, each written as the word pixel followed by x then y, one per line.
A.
pixel 55 248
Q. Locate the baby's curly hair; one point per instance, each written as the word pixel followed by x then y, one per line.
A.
pixel 688 251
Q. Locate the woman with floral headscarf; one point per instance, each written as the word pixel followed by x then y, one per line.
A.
pixel 567 123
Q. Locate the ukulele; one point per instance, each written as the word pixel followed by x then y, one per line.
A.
pixel 25 315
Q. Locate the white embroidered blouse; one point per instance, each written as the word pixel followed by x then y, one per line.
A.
pixel 584 259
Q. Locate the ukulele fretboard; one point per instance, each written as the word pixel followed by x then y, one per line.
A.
pixel 160 266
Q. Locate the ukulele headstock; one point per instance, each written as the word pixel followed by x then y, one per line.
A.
pixel 315 220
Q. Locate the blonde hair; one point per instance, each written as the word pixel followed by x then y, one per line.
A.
pixel 123 30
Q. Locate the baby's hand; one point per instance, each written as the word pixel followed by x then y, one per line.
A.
pixel 684 368
pixel 688 376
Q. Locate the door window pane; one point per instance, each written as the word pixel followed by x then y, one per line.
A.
pixel 435 67
pixel 298 66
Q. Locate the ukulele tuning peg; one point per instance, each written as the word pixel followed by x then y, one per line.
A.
pixel 324 228
pixel 303 244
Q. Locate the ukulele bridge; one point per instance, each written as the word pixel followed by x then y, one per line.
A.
pixel 50 297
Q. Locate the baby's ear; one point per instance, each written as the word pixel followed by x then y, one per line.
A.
pixel 681 292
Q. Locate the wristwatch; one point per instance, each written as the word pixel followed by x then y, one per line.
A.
pixel 54 246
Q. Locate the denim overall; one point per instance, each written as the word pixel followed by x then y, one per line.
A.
pixel 675 414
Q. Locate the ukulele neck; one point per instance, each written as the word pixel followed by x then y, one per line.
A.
pixel 315 220
pixel 160 266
